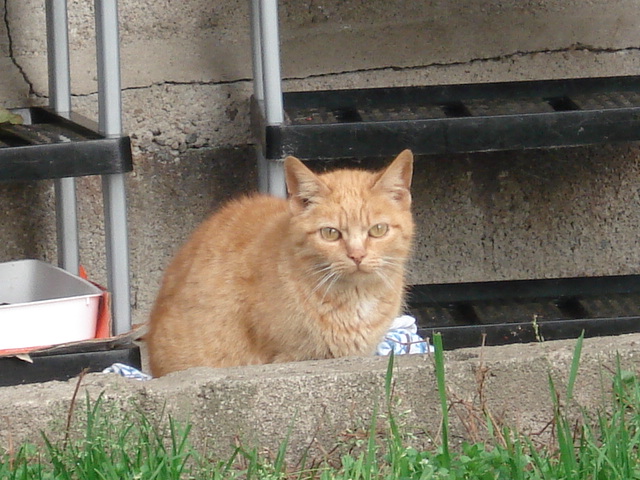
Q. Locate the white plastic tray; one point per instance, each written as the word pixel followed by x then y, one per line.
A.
pixel 44 305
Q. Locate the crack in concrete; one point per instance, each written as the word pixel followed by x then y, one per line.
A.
pixel 11 52
pixel 492 59
pixel 172 83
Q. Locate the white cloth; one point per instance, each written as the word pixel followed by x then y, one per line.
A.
pixel 127 371
pixel 402 338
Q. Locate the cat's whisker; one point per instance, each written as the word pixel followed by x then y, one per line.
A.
pixel 325 279
pixel 324 269
pixel 328 281
pixel 317 269
pixel 385 279
pixel 336 277
pixel 320 269
pixel 322 273
pixel 392 263
pixel 322 282
pixel 392 260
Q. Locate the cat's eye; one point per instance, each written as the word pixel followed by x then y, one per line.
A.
pixel 378 230
pixel 331 234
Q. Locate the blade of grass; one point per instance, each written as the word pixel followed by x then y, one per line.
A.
pixel 395 444
pixel 388 389
pixel 180 453
pixel 370 459
pixel 440 380
pixel 575 364
pixel 566 444
pixel 279 463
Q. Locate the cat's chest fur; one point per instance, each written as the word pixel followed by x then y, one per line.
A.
pixel 353 320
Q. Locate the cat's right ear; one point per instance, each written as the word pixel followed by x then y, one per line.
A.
pixel 395 180
pixel 304 186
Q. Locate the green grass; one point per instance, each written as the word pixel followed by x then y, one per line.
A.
pixel 601 445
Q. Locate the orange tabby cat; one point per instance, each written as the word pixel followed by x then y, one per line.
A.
pixel 264 279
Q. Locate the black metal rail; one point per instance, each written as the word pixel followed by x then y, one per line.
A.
pixel 48 145
pixel 527 310
pixel 453 118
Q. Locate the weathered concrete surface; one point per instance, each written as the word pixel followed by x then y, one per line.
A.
pixel 331 402
pixel 204 41
pixel 187 80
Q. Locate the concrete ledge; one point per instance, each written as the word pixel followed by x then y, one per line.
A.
pixel 326 400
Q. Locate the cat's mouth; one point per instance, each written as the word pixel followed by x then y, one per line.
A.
pixel 361 269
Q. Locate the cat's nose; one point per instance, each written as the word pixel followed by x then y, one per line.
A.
pixel 357 257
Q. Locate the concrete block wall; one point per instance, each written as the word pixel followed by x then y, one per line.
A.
pixel 186 75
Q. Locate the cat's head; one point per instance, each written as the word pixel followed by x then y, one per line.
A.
pixel 352 222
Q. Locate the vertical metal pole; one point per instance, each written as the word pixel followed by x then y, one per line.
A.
pixel 58 56
pixel 108 52
pixel 258 88
pixel 60 101
pixel 271 81
pixel 263 170
pixel 270 45
pixel 256 50
pixel 113 186
pixel 277 182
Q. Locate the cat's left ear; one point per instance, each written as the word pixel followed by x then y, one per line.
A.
pixel 396 179
pixel 304 186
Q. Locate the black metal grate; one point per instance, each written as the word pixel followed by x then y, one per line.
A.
pixel 453 118
pixel 527 310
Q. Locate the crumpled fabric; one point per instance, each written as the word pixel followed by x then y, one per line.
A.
pixel 402 338
pixel 127 371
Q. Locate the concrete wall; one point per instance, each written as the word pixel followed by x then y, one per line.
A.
pixel 187 78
